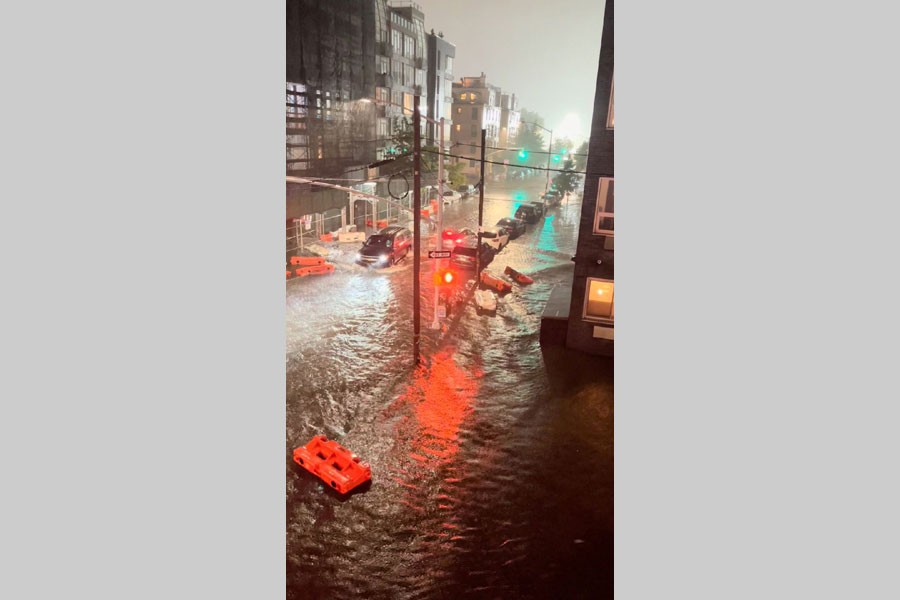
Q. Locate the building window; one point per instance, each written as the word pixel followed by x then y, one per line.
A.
pixel 408 102
pixel 459 110
pixel 605 209
pixel 612 104
pixel 474 112
pixel 449 67
pixel 397 41
pixel 383 65
pixel 382 94
pixel 420 77
pixel 408 76
pixel 458 127
pixel 409 46
pixel 382 128
pixel 599 300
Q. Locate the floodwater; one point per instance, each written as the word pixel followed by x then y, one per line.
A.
pixel 492 463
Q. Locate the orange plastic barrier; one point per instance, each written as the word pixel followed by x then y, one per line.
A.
pixel 326 238
pixel 518 277
pixel 307 261
pixel 303 271
pixel 288 275
pixel 497 283
pixel 322 269
pixel 333 464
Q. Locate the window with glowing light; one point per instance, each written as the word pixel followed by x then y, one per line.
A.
pixel 599 301
pixel 605 208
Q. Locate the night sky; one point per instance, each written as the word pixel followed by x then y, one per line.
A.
pixel 545 52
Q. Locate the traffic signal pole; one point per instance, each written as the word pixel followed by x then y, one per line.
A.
pixel 417 224
pixel 438 263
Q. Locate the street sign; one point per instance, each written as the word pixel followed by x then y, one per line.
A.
pixel 438 254
pixel 442 312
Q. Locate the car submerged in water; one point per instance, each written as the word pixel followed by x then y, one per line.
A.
pixel 515 227
pixel 385 248
pixel 465 252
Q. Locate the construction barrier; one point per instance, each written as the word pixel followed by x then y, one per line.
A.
pixel 288 275
pixel 518 277
pixel 352 236
pixel 497 283
pixel 326 238
pixel 307 261
pixel 322 269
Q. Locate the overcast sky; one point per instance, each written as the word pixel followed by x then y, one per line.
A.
pixel 545 52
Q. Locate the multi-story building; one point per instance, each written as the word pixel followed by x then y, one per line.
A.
pixel 339 53
pixel 402 53
pixel 476 106
pixel 439 85
pixel 591 309
pixel 509 119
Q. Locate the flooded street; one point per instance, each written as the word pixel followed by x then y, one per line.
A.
pixel 492 463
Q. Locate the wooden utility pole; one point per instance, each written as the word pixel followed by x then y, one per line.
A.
pixel 478 264
pixel 417 223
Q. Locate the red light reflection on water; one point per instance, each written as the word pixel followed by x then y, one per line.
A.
pixel 440 395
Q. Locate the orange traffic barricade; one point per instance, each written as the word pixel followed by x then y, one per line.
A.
pixel 518 277
pixel 494 282
pixel 326 238
pixel 333 464
pixel 322 269
pixel 307 261
pixel 288 275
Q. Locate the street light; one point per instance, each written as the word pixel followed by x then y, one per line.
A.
pixel 549 150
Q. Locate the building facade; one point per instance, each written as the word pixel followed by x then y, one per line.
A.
pixel 439 88
pixel 509 119
pixel 591 321
pixel 476 106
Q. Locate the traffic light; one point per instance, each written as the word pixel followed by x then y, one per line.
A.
pixel 443 277
pixel 556 158
pixel 523 154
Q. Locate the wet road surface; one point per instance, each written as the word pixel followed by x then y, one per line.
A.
pixel 492 463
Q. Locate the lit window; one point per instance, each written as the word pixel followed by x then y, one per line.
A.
pixel 458 126
pixel 605 209
pixel 599 300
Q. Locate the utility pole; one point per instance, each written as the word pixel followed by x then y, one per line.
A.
pixel 440 219
pixel 549 152
pixel 417 223
pixel 480 210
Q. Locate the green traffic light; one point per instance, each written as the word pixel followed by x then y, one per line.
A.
pixel 556 158
pixel 523 154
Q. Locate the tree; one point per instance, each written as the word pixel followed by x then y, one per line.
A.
pixel 402 146
pixel 581 157
pixel 530 139
pixel 568 180
pixel 455 175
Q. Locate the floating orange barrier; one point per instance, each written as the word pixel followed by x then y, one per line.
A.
pixel 303 271
pixel 322 269
pixel 288 275
pixel 333 464
pixel 518 277
pixel 497 283
pixel 326 238
pixel 307 261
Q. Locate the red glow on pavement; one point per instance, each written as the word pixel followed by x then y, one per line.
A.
pixel 441 394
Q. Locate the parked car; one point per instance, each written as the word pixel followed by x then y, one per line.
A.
pixel 539 207
pixel 464 253
pixel 496 238
pixel 515 227
pixel 527 213
pixel 450 196
pixel 451 237
pixel 466 191
pixel 552 198
pixel 386 247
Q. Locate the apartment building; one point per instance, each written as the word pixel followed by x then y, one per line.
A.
pixel 476 106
